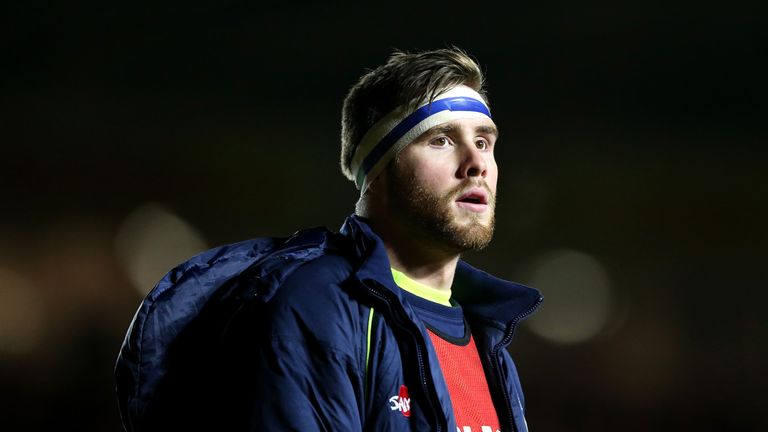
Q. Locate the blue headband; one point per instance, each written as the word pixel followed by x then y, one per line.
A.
pixel 391 134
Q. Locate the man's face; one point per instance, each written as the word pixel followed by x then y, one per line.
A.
pixel 443 185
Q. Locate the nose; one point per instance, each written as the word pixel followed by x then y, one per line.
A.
pixel 473 163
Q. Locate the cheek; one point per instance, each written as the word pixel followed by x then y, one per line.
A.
pixel 431 173
pixel 418 173
pixel 432 180
pixel 493 174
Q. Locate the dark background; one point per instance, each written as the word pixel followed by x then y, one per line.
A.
pixel 632 132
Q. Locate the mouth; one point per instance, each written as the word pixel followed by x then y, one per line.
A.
pixel 475 199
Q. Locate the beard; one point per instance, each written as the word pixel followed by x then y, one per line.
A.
pixel 432 217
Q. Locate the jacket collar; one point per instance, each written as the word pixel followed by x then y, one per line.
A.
pixel 481 295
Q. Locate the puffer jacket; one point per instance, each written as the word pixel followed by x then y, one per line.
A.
pixel 308 333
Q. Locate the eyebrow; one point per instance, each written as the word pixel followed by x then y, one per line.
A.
pixel 447 129
pixel 490 130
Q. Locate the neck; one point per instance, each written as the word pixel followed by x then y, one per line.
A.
pixel 416 257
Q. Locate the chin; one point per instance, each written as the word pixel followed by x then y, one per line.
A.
pixel 470 235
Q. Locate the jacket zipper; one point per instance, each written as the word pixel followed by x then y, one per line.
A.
pixel 419 355
pixel 494 362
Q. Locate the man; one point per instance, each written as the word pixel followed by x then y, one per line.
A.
pixel 380 327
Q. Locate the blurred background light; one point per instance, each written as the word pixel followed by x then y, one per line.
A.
pixel 151 241
pixel 21 313
pixel 577 296
pixel 632 130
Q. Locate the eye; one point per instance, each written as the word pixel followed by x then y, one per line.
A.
pixel 482 144
pixel 441 141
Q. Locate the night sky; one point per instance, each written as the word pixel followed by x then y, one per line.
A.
pixel 632 134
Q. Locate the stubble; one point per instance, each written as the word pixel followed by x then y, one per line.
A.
pixel 432 216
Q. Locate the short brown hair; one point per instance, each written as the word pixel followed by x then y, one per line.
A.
pixel 407 79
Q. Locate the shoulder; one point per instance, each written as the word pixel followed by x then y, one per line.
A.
pixel 316 305
pixel 319 288
pixel 318 276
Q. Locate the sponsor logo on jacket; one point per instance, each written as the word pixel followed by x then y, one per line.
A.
pixel 401 402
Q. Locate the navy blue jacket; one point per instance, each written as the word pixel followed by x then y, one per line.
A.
pixel 308 333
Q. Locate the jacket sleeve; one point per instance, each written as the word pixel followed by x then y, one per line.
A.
pixel 298 385
pixel 303 354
